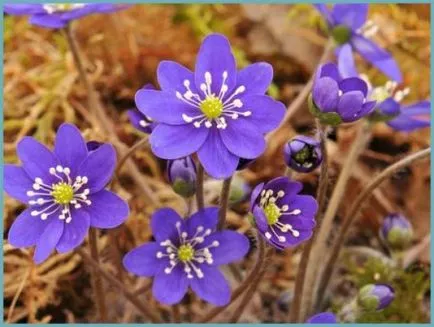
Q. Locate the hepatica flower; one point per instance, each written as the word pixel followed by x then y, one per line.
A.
pixel 140 121
pixel 323 318
pixel 217 111
pixel 336 99
pixel 303 153
pixel 58 15
pixel 348 24
pixel 388 108
pixel 64 190
pixel 186 253
pixel 281 215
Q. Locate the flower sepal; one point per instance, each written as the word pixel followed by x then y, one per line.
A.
pixel 379 117
pixel 341 34
pixel 325 118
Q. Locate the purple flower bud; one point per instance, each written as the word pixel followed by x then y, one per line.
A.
pixel 323 318
pixel 375 297
pixel 182 175
pixel 303 154
pixel 396 231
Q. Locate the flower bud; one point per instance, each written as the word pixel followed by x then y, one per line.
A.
pixel 239 191
pixel 375 297
pixel 396 231
pixel 303 154
pixel 182 175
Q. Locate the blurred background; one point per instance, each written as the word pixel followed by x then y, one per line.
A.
pixel 122 51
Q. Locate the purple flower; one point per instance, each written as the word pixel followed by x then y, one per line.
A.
pixel 187 252
pixel 217 111
pixel 348 24
pixel 281 215
pixel 323 318
pixel 140 121
pixel 182 175
pixel 303 154
pixel 58 15
pixel 336 99
pixel 389 109
pixel 375 297
pixel 396 231
pixel 65 192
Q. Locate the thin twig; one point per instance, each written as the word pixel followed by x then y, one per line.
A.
pixel 355 210
pixel 114 281
pixel 199 187
pixel 320 245
pixel 294 314
pixel 17 295
pixel 176 313
pixel 224 202
pixel 129 153
pixel 96 278
pixel 241 288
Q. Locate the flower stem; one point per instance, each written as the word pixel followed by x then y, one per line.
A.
pixel 96 278
pixel 103 122
pixel 253 286
pixel 129 153
pixel 355 210
pixel 320 246
pixel 199 187
pixel 294 314
pixel 241 288
pixel 115 282
pixel 224 201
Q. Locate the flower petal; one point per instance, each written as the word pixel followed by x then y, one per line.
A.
pixel 213 287
pixel 256 78
pixel 329 70
pixel 70 146
pixel 255 193
pixel 173 142
pixel 172 77
pixel 143 261
pixel 163 224
pixel 346 64
pixel 48 20
pixel 242 138
pixel 419 108
pixel 325 94
pixel 26 229
pixel 37 159
pixel 75 231
pixel 260 218
pixel 170 288
pixel 389 107
pixel 290 187
pixel 107 210
pixel 207 218
pixel 266 113
pixel 215 57
pixel 98 167
pixel 48 240
pixel 17 182
pixel 140 121
pixel 405 123
pixel 351 15
pixel 353 84
pixel 322 318
pixel 350 104
pixel 216 159
pixel 232 247
pixel 325 12
pixel 23 9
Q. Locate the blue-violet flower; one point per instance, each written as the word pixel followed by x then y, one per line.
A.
pixel 323 318
pixel 303 154
pixel 140 121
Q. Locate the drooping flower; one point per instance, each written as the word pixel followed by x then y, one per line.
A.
pixel 140 121
pixel 281 215
pixel 335 99
pixel 217 111
pixel 303 153
pixel 348 24
pixel 182 176
pixel 396 231
pixel 375 297
pixel 187 252
pixel 65 192
pixel 58 15
pixel 406 118
pixel 323 318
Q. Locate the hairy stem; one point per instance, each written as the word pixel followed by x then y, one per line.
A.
pixel 96 278
pixel 224 201
pixel 199 187
pixel 129 153
pixel 320 246
pixel 355 210
pixel 294 314
pixel 241 288
pixel 116 283
pixel 107 126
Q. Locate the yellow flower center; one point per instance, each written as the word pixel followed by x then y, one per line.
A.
pixel 62 193
pixel 272 213
pixel 212 107
pixel 185 252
